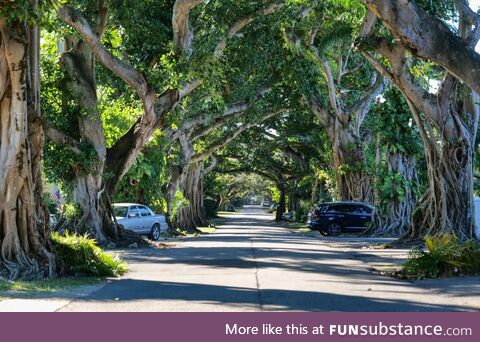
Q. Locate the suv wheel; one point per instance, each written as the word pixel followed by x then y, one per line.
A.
pixel 334 229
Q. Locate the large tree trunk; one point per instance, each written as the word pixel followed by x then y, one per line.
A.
pixel 393 216
pixel 353 182
pixel 199 214
pixel 24 235
pixel 314 193
pixel 171 190
pixel 281 203
pixel 293 197
pixel 222 202
pixel 449 122
pixel 193 214
pixel 88 187
pixel 447 205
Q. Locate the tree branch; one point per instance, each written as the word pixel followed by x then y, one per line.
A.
pixel 182 34
pixel 368 24
pixel 102 18
pixel 229 137
pixel 230 112
pixel 59 137
pixel 428 37
pixel 332 93
pixel 362 107
pixel 322 114
pixel 131 76
pixel 400 74
pixel 212 166
pixel 242 23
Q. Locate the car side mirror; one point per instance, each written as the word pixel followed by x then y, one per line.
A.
pixel 132 215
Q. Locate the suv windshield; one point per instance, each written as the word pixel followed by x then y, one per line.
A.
pixel 120 211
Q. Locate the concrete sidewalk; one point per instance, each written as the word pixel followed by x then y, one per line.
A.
pixel 252 264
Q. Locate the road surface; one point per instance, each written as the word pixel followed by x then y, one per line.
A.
pixel 252 264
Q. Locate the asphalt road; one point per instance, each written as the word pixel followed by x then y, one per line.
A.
pixel 250 264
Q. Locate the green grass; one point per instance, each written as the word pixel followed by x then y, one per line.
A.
pixel 207 230
pixel 82 257
pixel 47 286
pixel 225 212
pixel 299 227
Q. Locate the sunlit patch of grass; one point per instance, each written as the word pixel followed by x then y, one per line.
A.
pixel 47 285
pixel 298 226
pixel 206 230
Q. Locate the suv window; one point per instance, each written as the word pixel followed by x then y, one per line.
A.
pixel 367 209
pixel 321 209
pixel 342 208
pixel 361 209
pixel 331 209
pixel 144 211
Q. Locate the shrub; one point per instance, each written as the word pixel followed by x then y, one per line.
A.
pixel 446 256
pixel 301 214
pixel 82 256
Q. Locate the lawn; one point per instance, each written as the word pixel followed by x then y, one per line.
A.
pixel 299 227
pixel 48 286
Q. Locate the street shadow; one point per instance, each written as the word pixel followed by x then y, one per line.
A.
pixel 126 290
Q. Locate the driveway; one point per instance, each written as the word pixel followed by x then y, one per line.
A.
pixel 252 264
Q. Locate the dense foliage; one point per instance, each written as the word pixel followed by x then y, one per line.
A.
pixel 445 257
pixel 82 257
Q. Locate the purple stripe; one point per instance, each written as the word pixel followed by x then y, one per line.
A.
pixel 211 327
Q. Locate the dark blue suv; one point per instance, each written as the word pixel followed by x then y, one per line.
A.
pixel 337 217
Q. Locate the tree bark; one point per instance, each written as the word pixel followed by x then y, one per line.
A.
pixel 353 182
pixel 221 203
pixel 393 217
pixel 344 129
pixel 429 37
pixel 281 207
pixel 193 214
pixel 448 129
pixel 447 205
pixel 176 174
pixel 123 153
pixel 95 215
pixel 293 197
pixel 314 197
pixel 24 234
